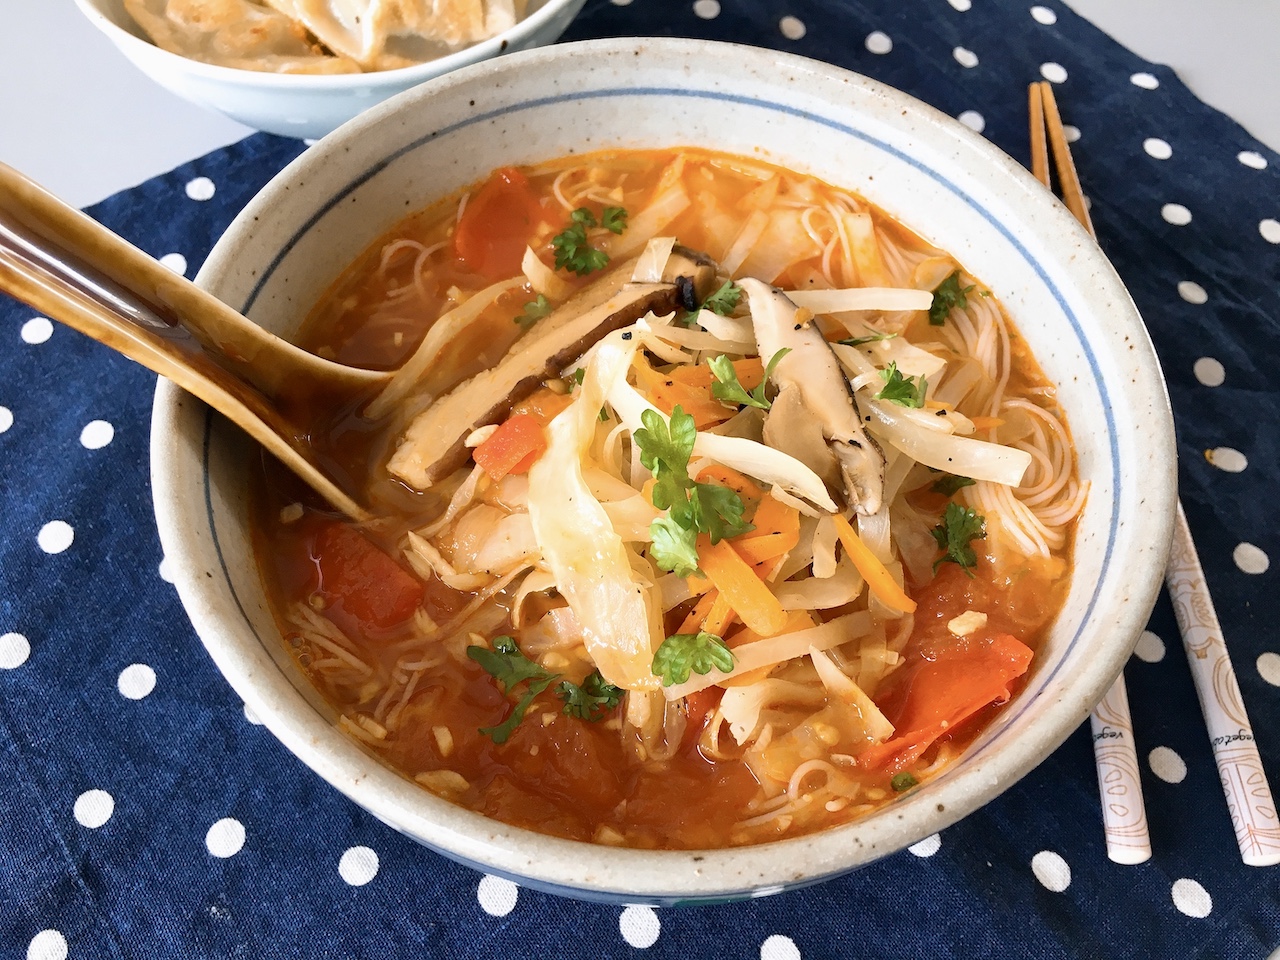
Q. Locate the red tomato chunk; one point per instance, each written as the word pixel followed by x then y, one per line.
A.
pixel 363 581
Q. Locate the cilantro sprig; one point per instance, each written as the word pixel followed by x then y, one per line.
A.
pixel 872 338
pixel 725 300
pixel 949 484
pixel 904 391
pixel 902 782
pixel 692 508
pixel 955 533
pixel 574 251
pixel 729 390
pixel 946 295
pixel 533 311
pixel 591 700
pixel 682 653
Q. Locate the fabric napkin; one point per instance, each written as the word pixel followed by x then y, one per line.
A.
pixel 144 813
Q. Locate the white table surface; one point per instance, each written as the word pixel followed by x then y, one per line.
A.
pixel 80 119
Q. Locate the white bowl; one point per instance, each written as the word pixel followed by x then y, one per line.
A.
pixel 935 175
pixel 307 106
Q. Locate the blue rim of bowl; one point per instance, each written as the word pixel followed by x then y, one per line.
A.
pixel 1024 704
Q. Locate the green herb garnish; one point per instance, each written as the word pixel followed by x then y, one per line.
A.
pixel 534 311
pixel 725 300
pixel 904 391
pixel 698 652
pixel 946 295
pixel 955 532
pixel 903 781
pixel 873 338
pixel 574 252
pixel 614 219
pixel 949 484
pixel 591 699
pixel 692 508
pixel 579 375
pixel 729 390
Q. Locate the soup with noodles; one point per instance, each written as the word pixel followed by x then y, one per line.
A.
pixel 714 506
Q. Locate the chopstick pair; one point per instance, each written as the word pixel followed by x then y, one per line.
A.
pixel 1249 799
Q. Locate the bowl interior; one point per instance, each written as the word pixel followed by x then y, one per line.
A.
pixel 938 178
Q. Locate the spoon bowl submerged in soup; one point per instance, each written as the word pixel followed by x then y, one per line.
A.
pixel 715 506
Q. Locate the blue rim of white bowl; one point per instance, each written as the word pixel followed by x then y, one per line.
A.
pixel 964 806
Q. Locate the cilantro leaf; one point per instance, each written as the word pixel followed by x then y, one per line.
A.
pixel 614 219
pixel 725 300
pixel 717 511
pixel 728 389
pixel 873 338
pixel 591 700
pixel 674 546
pixel 665 449
pixel 534 311
pixel 573 252
pixel 579 375
pixel 903 391
pixel 698 652
pixel 959 527
pixel 946 295
pixel 903 781
pixel 949 484
pixel 509 667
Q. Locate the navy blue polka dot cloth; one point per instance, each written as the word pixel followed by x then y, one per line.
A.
pixel 143 813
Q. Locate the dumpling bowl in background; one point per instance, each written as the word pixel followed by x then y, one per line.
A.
pixel 926 170
pixel 297 69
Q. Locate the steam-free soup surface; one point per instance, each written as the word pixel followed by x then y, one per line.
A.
pixel 584 613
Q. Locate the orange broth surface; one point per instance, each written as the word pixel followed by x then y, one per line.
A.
pixel 557 774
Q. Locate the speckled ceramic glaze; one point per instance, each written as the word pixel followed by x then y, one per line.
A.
pixel 301 105
pixel 942 180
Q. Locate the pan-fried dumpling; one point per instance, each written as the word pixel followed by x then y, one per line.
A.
pixel 234 33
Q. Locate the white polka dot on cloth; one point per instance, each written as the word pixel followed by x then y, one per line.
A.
pixel 1144 80
pixel 878 42
pixel 1051 870
pixel 1270 230
pixel 639 926
pixel 1209 372
pixel 14 651
pixel 792 28
pixel 1269 668
pixel 1167 765
pixel 1192 899
pixel 37 330
pixel 1044 15
pixel 175 262
pixel 225 838
pixel 965 57
pixel 497 895
pixel 1071 133
pixel 6 419
pixel 97 434
pixel 928 846
pixel 1251 158
pixel 136 681
pixel 93 808
pixel 1053 72
pixel 47 945
pixel 706 9
pixel 55 536
pixel 358 865
pixel 1250 559
pixel 201 188
pixel 165 569
pixel 1192 292
pixel 1176 214
pixel 961 5
pixel 973 120
pixel 778 947
pixel 1150 648
pixel 1228 459
pixel 1157 148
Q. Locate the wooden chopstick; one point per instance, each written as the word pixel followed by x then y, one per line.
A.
pixel 1244 781
pixel 1124 817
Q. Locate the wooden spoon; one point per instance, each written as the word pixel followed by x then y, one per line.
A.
pixel 76 271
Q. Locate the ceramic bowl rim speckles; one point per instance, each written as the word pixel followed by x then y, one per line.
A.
pixel 305 105
pixel 928 170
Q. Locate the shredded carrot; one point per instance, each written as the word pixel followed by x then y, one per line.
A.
pixel 757 550
pixel 987 423
pixel 698 615
pixel 750 493
pixel 879 580
pixel 720 617
pixel 666 392
pixel 750 372
pixel 749 596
